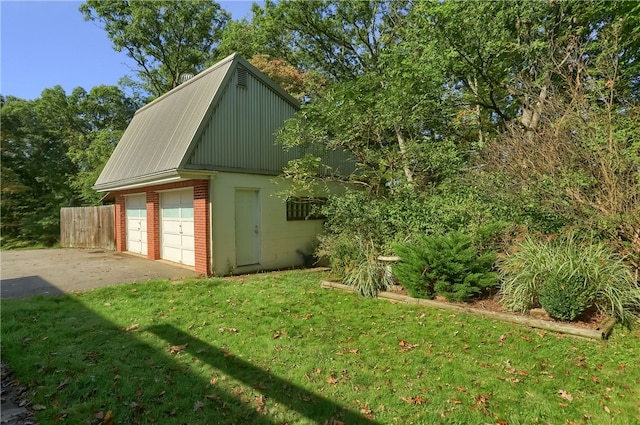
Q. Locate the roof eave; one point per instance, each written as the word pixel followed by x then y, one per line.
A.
pixel 167 176
pixel 170 176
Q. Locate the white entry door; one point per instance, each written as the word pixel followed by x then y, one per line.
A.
pixel 247 216
pixel 136 211
pixel 177 239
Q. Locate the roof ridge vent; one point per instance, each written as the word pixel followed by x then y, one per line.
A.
pixel 184 77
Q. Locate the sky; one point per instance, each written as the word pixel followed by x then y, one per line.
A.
pixel 48 43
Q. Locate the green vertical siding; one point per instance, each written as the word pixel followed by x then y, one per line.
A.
pixel 241 131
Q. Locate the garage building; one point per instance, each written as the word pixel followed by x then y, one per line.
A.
pixel 194 176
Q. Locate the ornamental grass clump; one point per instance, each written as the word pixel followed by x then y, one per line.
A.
pixel 567 276
pixel 365 273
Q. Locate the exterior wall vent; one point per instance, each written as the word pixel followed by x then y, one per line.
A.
pixel 184 77
pixel 242 77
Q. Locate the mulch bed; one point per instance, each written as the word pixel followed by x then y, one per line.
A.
pixel 592 326
pixel 590 320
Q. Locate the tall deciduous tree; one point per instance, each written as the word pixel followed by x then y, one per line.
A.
pixel 583 162
pixel 165 38
pixel 53 147
pixel 35 170
pixel 99 117
pixel 503 55
pixel 385 100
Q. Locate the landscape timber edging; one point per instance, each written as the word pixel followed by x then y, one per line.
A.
pixel 601 333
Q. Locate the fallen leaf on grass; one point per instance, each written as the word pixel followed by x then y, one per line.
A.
pixel 278 334
pixel 415 400
pixel 332 380
pixel 62 384
pixel 177 349
pixel 106 418
pixel 132 327
pixel 481 399
pixel 579 362
pixel 565 395
pixel 406 346
pixel 262 406
pixel 502 339
pixel 197 406
pixel 39 407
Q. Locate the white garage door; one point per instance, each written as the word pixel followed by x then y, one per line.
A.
pixel 177 239
pixel 136 206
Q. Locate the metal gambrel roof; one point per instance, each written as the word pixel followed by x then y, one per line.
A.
pixel 161 134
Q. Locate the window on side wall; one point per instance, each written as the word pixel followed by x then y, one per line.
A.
pixel 305 208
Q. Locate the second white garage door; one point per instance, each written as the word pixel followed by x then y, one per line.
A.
pixel 177 238
pixel 136 208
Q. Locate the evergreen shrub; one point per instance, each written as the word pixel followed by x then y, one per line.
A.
pixel 447 265
pixel 565 297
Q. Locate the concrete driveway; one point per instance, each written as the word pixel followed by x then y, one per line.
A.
pixel 58 271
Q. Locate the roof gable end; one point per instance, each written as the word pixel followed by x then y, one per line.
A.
pixel 162 134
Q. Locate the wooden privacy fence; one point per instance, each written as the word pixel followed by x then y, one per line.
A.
pixel 88 227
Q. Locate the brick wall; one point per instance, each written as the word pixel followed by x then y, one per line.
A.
pixel 200 217
pixel 153 225
pixel 201 226
pixel 121 224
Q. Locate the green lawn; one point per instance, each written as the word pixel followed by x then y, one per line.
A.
pixel 277 349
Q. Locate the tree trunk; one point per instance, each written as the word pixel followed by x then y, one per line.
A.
pixel 473 84
pixel 403 152
pixel 531 113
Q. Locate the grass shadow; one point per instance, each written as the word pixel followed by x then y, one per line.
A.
pixel 310 405
pixel 78 366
